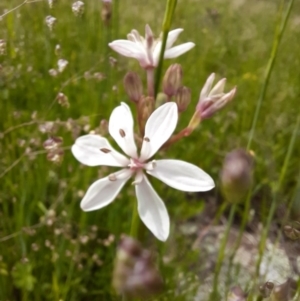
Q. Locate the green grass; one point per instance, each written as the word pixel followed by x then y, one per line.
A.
pixel 44 254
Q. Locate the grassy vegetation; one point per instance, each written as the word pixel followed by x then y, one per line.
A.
pixel 49 248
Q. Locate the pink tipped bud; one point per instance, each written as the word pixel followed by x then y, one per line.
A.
pixel 236 175
pixel 213 99
pixel 133 86
pixel 183 98
pixel 172 80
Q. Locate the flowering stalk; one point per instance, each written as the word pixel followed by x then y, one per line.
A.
pixel 171 5
pixel 150 82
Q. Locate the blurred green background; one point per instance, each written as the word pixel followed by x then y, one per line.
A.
pixel 49 248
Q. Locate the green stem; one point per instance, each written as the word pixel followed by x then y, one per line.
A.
pixel 263 240
pixel 221 254
pixel 171 5
pixel 269 69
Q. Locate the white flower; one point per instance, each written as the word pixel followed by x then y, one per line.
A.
pixel 147 50
pixel 94 150
pixel 62 64
pixel 213 99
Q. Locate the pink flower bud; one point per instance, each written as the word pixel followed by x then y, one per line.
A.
pixel 172 80
pixel 133 86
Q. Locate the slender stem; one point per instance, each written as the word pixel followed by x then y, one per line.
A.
pixel 221 254
pixel 171 5
pixel 150 81
pixel 269 69
pixel 263 240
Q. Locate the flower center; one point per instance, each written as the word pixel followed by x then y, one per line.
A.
pixel 135 164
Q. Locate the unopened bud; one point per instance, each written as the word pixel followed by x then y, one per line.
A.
pixel 134 274
pixel 2 47
pixel 285 291
pixel 183 98
pixel 145 109
pixel 172 80
pixel 62 99
pixel 213 99
pixel 236 175
pixel 292 231
pixel 266 289
pixel 78 8
pixel 236 294
pixel 50 22
pixel 52 143
pixel 106 11
pixel 133 86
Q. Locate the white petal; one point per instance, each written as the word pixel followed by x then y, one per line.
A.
pixel 182 175
pixel 121 129
pixel 172 37
pixel 152 210
pixel 218 88
pixel 93 150
pixel 159 127
pixel 104 191
pixel 156 53
pixel 178 50
pixel 207 86
pixel 128 49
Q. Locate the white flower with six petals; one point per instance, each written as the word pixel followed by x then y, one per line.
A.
pixel 94 150
pixel 147 50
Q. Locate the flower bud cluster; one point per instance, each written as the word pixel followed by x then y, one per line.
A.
pixel 63 100
pixel 50 22
pixel 135 275
pixel 172 87
pixel 54 150
pixel 78 8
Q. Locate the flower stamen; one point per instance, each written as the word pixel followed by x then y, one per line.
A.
pixel 122 133
pixel 105 150
pixel 112 177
